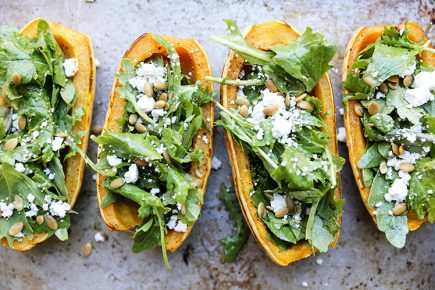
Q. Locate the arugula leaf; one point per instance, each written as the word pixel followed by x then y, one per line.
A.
pixel 234 243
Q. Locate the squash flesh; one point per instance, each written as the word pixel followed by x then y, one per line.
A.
pixel 355 137
pixel 263 36
pixel 122 215
pixel 78 45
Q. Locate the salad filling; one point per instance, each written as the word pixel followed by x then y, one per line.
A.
pixel 278 122
pixel 149 159
pixel 37 115
pixel 396 107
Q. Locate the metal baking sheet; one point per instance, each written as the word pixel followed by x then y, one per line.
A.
pixel 363 259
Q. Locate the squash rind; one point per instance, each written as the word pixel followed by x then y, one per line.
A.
pixel 355 137
pixel 263 36
pixel 122 215
pixel 74 44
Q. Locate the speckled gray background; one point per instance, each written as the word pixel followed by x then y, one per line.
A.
pixel 362 260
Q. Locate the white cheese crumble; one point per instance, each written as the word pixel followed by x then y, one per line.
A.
pixel 175 224
pixel 57 143
pixel 145 103
pixel 277 202
pixel 424 83
pixel 70 66
pixel 113 160
pixel 6 209
pixel 172 222
pixel 216 163
pixel 154 191
pixel 33 210
pixel 180 227
pixel 59 208
pixel 147 72
pixel 341 135
pixel 20 167
pixel 132 174
pixel 30 198
pixel 99 238
pixel 398 190
pixel 319 261
pixel 341 111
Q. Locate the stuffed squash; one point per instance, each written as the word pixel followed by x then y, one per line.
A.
pixel 157 142
pixel 279 116
pixel 47 75
pixel 389 83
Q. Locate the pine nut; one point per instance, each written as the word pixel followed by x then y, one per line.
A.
pixel 167 157
pixel 40 219
pixel 393 86
pixel 393 79
pixel 300 98
pixel 244 111
pixel 51 222
pixel 383 167
pixel 291 206
pixel 401 149
pixel 16 78
pixel 148 89
pixel 18 202
pixel 287 100
pixel 163 97
pixel 270 110
pixel 399 209
pixel 140 127
pixel 22 121
pixel 160 86
pixel 304 105
pixel 97 129
pixel 242 101
pixel 117 183
pixel 383 88
pixel 373 108
pixel 268 196
pixel 87 249
pixel 358 110
pixel 159 104
pixel 64 134
pixel 261 210
pixel 370 81
pixel 406 167
pixel 10 144
pixel 271 86
pixel 16 228
pixel 281 212
pixel 132 119
pixel 395 149
pixel 408 80
pixel 140 162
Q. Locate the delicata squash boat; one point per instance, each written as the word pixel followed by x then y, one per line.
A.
pixel 356 142
pixel 122 215
pixel 264 36
pixel 76 45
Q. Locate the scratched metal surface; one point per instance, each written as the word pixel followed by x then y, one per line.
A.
pixel 362 259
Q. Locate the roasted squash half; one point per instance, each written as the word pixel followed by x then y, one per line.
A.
pixel 122 215
pixel 74 44
pixel 356 142
pixel 263 36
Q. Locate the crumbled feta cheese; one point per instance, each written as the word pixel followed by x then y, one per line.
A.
pixel 172 222
pixel 57 143
pixel 154 191
pixel 341 111
pixel 269 98
pixel 156 113
pixel 132 174
pixel 145 103
pixel 97 63
pixel 205 139
pixel 35 134
pixel 260 134
pixel 379 95
pixel 113 160
pixel 277 202
pixel 305 284
pixel 341 135
pixel 30 198
pixel 20 167
pixel 215 163
pixel 33 210
pixel 70 66
pixel 398 190
pixel 147 72
pixel 281 127
pixel 99 238
pixel 180 227
pixel 59 208
pixel 319 261
pixel 424 83
pixel 6 209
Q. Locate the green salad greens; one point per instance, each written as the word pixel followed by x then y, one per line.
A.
pixel 397 110
pixel 233 244
pixel 279 125
pixel 36 120
pixel 148 160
